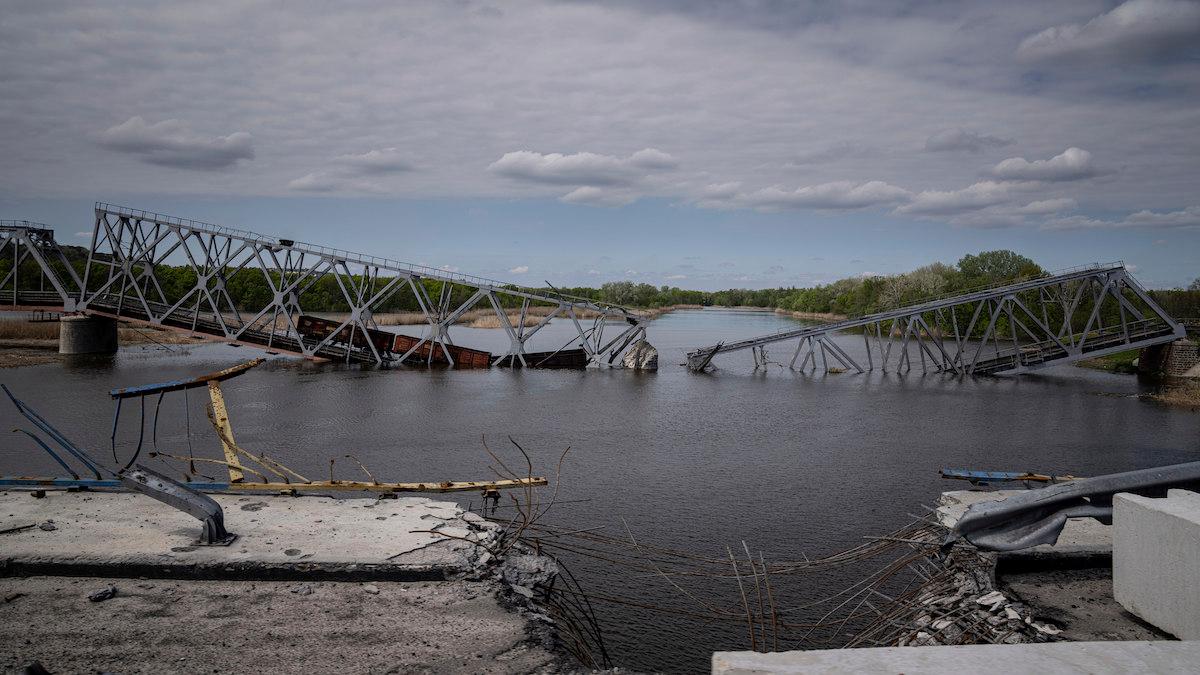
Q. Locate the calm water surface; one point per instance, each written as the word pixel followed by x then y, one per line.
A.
pixel 787 462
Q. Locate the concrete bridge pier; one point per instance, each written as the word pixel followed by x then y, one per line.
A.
pixel 87 335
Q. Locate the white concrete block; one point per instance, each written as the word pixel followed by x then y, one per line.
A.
pixel 1049 658
pixel 1156 560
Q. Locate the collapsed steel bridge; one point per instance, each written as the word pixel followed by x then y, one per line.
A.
pixel 129 248
pixel 1054 319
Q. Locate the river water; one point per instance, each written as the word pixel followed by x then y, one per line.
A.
pixel 790 463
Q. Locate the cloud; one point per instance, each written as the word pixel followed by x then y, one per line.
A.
pixel 675 277
pixel 831 154
pixel 171 143
pixel 375 162
pixel 1047 206
pixel 1188 217
pixel 316 182
pixel 1135 29
pixel 1072 164
pixel 594 196
pixel 84 235
pixel 960 140
pixel 519 269
pixel 835 195
pixel 581 168
pixel 944 202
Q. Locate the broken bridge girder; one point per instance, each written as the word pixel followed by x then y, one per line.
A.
pixel 1052 319
pixel 128 246
pixel 1038 516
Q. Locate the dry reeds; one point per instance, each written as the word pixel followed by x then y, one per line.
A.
pixel 25 330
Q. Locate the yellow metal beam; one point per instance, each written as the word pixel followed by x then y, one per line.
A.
pixel 351 485
pixel 221 421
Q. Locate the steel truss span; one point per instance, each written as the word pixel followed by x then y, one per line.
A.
pixel 1060 318
pixel 123 278
pixel 53 282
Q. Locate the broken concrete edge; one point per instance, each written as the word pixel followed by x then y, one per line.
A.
pixel 519 578
pixel 223 571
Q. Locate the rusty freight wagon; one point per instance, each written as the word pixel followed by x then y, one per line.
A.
pixel 464 357
pixel 316 328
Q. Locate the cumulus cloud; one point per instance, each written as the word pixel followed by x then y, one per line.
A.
pixel 943 202
pixel 835 195
pixel 1137 28
pixel 1072 164
pixel 374 162
pixel 961 140
pixel 1188 217
pixel 172 143
pixel 581 168
pixel 519 269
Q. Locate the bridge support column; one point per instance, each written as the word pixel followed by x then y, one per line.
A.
pixel 87 335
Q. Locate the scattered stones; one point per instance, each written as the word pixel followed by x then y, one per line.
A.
pixel 292 552
pixel 48 526
pixel 303 589
pixel 254 506
pixel 102 594
pixel 371 589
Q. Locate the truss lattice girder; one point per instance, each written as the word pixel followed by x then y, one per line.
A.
pixel 22 241
pixel 962 334
pixel 129 246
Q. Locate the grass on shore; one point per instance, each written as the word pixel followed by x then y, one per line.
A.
pixel 1121 362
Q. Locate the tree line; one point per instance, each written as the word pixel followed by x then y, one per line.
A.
pixel 853 296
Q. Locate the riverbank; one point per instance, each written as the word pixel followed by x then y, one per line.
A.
pixel 31 344
pixel 1121 362
pixel 826 317
pixel 311 583
pixel 486 317
pixel 1181 393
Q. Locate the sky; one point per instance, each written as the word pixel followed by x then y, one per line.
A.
pixel 706 145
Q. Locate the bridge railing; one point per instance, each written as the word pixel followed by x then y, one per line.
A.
pixel 25 225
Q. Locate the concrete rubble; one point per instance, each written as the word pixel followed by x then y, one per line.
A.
pixel 641 356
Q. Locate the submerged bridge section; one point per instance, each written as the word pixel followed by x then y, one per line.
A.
pixel 1060 318
pixel 176 273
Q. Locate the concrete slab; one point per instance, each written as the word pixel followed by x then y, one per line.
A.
pixel 1081 537
pixel 190 626
pixel 1156 546
pixel 122 534
pixel 1043 659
